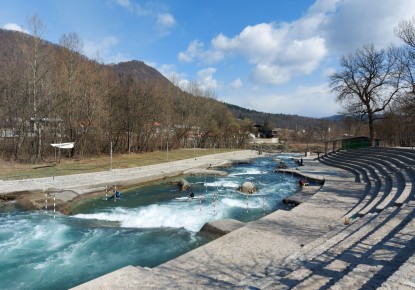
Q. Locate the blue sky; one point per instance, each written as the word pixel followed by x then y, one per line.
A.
pixel 267 55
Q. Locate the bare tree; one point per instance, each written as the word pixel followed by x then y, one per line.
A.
pixel 369 80
pixel 71 95
pixel 37 57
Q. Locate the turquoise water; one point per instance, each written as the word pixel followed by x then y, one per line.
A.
pixel 149 225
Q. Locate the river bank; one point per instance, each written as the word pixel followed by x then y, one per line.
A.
pixel 66 191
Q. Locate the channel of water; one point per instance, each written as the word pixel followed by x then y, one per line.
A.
pixel 148 226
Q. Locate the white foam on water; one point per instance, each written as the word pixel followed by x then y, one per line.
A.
pixel 183 198
pixel 182 215
pixel 253 202
pixel 248 171
pixel 223 183
pixel 27 233
pixel 70 254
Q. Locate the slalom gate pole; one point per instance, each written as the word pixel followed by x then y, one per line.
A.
pixel 247 207
pixel 46 201
pixel 201 196
pixel 214 203
pixel 54 204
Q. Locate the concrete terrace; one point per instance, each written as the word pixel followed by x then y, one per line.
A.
pixel 310 246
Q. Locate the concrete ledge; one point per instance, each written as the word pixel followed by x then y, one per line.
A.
pixel 221 227
pixel 201 171
pixel 301 196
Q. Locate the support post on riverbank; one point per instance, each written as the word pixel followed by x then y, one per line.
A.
pixel 110 155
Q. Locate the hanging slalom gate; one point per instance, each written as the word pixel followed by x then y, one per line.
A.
pixel 214 202
pixel 201 197
pixel 247 206
pixel 46 201
pixel 54 203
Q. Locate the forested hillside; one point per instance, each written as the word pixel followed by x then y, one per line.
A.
pixel 51 93
pixel 292 122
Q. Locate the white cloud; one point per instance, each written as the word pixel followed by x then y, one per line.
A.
pixel 165 69
pixel 117 58
pixel 166 20
pixel 125 3
pixel 312 101
pixel 15 27
pixel 329 71
pixel 277 52
pixel 236 84
pixel 205 78
pixel 196 50
pixel 170 72
pixel 104 49
pixel 359 22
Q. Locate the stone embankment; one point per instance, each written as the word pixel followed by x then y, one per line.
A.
pixel 30 193
pixel 356 232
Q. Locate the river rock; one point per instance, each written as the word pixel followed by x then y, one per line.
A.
pixel 281 165
pixel 247 187
pixel 221 227
pixel 182 183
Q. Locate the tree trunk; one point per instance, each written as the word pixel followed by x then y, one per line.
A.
pixel 371 129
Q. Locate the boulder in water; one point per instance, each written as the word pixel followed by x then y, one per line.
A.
pixel 247 187
pixel 282 165
pixel 182 183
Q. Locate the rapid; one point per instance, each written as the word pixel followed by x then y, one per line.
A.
pixel 148 226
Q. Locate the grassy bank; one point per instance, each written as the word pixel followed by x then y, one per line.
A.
pixel 95 164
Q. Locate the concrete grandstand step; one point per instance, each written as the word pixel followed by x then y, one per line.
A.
pixel 376 193
pixel 410 153
pixel 403 278
pixel 390 160
pixel 387 255
pixel 331 159
pixel 359 177
pixel 366 196
pixel 406 170
pixel 390 174
pixel 310 251
pixel 383 241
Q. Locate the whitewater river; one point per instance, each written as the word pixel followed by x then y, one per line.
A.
pixel 149 225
